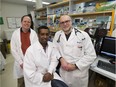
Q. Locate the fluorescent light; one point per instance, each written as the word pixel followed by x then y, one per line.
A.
pixel 35 1
pixel 45 3
pixel 31 0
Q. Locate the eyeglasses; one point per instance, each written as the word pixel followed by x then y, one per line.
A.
pixel 67 21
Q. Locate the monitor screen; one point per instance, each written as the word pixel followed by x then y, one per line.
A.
pixel 108 47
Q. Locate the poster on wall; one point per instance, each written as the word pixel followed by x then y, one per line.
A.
pixel 13 22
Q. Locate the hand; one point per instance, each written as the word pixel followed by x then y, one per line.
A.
pixel 47 77
pixel 21 66
pixel 71 67
pixel 63 63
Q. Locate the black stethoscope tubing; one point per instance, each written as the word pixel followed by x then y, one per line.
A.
pixel 76 30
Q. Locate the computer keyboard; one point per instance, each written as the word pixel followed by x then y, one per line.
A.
pixel 106 66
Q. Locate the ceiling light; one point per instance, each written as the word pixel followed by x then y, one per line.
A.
pixel 35 1
pixel 31 0
pixel 45 3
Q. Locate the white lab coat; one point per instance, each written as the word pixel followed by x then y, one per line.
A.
pixel 17 51
pixel 77 50
pixel 37 63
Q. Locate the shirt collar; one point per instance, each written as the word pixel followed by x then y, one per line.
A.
pixel 22 30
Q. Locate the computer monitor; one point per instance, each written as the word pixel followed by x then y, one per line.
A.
pixel 108 47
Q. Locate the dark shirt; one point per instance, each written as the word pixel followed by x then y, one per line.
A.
pixel 67 36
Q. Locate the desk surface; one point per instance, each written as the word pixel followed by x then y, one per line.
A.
pixel 101 71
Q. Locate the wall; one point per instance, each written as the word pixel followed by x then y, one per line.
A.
pixel 11 10
pixel 0 16
pixel 31 8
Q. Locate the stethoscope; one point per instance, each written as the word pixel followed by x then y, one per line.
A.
pixel 76 31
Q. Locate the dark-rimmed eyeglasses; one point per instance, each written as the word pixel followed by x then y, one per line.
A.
pixel 67 21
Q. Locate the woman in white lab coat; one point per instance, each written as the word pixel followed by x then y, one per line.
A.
pixel 77 53
pixel 40 59
pixel 17 48
pixel 17 51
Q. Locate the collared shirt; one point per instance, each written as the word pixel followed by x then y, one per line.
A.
pixel 25 40
pixel 67 36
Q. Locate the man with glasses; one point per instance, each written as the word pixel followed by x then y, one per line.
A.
pixel 77 53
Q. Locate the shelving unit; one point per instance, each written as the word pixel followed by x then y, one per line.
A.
pixel 80 1
pixel 41 18
pixel 103 13
pixel 41 14
pixel 40 9
pixel 51 9
pixel 60 4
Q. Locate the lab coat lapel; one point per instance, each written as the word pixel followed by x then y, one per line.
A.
pixel 43 56
pixel 19 42
pixel 39 46
pixel 72 35
pixel 49 50
pixel 63 36
pixel 19 37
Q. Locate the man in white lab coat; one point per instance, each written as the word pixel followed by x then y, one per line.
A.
pixel 40 61
pixel 21 39
pixel 77 53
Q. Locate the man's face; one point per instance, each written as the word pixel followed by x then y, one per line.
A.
pixel 43 36
pixel 26 23
pixel 65 23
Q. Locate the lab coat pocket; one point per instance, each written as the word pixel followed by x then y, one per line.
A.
pixel 68 48
pixel 77 50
